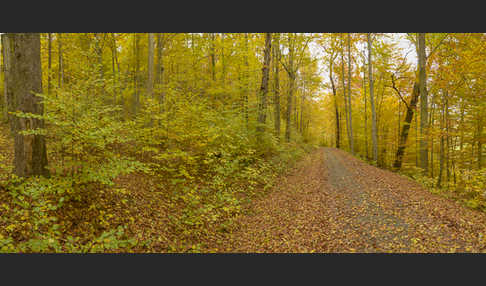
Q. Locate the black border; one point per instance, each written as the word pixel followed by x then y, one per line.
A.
pixel 245 269
pixel 239 16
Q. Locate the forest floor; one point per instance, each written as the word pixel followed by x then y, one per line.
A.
pixel 334 202
pixel 329 201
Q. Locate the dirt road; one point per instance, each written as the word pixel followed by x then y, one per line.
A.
pixel 333 202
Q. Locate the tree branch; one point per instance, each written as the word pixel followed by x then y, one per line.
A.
pixel 398 92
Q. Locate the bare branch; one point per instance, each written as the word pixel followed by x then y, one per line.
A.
pixel 398 92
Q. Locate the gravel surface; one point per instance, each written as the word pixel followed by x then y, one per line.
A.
pixel 333 202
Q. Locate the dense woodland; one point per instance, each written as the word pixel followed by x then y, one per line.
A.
pixel 103 132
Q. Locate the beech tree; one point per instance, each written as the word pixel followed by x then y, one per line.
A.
pixel 24 81
pixel 262 107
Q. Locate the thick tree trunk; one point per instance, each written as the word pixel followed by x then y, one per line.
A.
pixel 24 81
pixel 423 104
pixel 262 107
pixel 374 136
pixel 406 128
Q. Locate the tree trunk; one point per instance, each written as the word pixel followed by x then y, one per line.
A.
pixel 365 109
pixel 441 160
pixel 212 57
pixel 276 51
pixel 24 81
pixel 448 173
pixel 136 95
pixel 431 123
pixel 406 128
pixel 302 102
pixel 159 71
pixel 480 146
pixel 223 64
pixel 99 55
pixel 60 74
pixel 116 73
pixel 150 66
pixel 344 91
pixel 246 83
pixel 350 116
pixel 423 104
pixel 336 109
pixel 373 113
pixel 6 65
pixel 290 94
pixel 49 62
pixel 262 108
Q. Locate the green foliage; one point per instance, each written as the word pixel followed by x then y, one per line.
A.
pixel 84 136
pixel 472 188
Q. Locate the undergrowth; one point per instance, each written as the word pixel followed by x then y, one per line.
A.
pixel 205 164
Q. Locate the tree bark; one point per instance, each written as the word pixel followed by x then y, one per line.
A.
pixel 365 109
pixel 60 74
pixel 423 104
pixel 136 96
pixel 336 109
pixel 441 160
pixel 150 66
pixel 344 91
pixel 374 136
pixel 262 110
pixel 480 145
pixel 49 62
pixel 276 51
pixel 406 128
pixel 5 51
pixel 350 116
pixel 212 57
pixel 290 94
pixel 24 81
pixel 223 63
pixel 246 83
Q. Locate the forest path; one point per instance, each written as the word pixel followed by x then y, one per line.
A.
pixel 333 202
